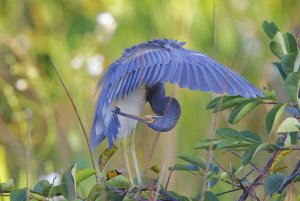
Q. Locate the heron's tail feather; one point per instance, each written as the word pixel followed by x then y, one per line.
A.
pixel 113 129
pixel 98 133
pixel 95 139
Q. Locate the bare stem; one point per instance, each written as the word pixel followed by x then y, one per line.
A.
pixel 289 179
pixel 77 114
pixel 169 177
pixel 29 120
pixel 230 191
pixel 252 164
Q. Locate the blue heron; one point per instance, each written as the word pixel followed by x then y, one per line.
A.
pixel 138 76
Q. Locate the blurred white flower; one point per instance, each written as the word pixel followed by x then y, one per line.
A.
pixel 52 176
pixel 106 21
pixel 21 84
pixel 95 64
pixel 77 62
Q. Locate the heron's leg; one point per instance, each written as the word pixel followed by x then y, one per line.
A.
pixel 136 165
pixel 125 154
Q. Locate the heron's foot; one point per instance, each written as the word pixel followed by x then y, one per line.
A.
pixel 117 110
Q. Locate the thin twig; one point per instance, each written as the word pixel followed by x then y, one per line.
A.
pixel 77 114
pixel 232 181
pixel 158 188
pixel 169 177
pixel 230 191
pixel 252 164
pixel 289 179
pixel 245 177
pixel 29 120
pixel 234 178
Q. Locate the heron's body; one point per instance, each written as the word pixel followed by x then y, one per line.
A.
pixel 139 75
pixel 133 104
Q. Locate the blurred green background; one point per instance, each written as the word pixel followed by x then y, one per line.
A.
pixel 83 37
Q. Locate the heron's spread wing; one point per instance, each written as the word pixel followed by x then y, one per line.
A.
pixel 166 60
pixel 161 61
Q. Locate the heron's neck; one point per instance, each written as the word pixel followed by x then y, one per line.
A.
pixel 161 104
pixel 167 108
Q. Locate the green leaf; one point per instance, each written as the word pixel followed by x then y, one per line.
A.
pixel 294 137
pixel 180 167
pixel 270 29
pixel 210 196
pixel 231 143
pixel 18 195
pixel 297 178
pixel 229 102
pixel 290 43
pixel 96 192
pixel 42 187
pixel 292 85
pixel 177 196
pixel 287 62
pixel 83 174
pixel 251 136
pixel 194 159
pixel 52 191
pixel 105 156
pixel 249 154
pixel 213 103
pixel 155 168
pixel 277 197
pixel 297 63
pixel 269 94
pixel 276 48
pixel 214 168
pixel 68 183
pixel 128 198
pixel 213 180
pixel 228 133
pixel 242 110
pixel 280 48
pixel 273 182
pixel 290 124
pixel 204 144
pixel 265 147
pixel 119 182
pixel 114 196
pixel 279 68
pixel 274 116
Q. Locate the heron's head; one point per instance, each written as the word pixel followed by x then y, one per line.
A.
pixel 161 123
pixel 168 120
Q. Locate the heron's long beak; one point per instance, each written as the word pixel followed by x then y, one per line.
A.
pixel 144 119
